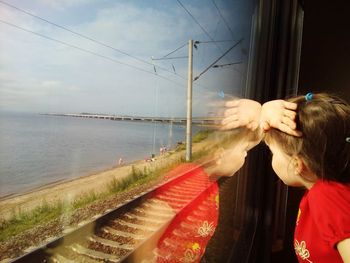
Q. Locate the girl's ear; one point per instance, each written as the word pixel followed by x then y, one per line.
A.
pixel 299 165
pixel 301 169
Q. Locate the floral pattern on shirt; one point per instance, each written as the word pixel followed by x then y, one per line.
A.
pixel 301 250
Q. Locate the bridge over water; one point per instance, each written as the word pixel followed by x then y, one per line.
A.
pixel 208 121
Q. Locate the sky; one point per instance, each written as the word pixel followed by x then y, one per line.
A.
pixel 106 65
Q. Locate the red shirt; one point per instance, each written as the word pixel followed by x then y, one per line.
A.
pixel 323 220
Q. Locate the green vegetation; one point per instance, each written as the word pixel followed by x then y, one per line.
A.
pixel 136 177
pixel 198 137
pixel 84 200
pixel 201 135
pixel 180 147
pixel 22 221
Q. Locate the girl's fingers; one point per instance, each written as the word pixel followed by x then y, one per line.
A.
pixel 234 124
pixel 231 125
pixel 289 122
pixel 297 133
pixel 290 114
pixel 230 111
pixel 232 103
pixel 265 126
pixel 289 105
pixel 231 118
pixel 252 125
pixel 285 128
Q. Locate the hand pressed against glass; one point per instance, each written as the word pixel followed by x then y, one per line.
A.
pixel 241 113
pixel 247 113
pixel 281 115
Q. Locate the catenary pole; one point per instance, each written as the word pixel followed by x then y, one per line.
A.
pixel 189 102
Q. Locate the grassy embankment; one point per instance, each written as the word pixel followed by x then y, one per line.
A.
pixel 22 221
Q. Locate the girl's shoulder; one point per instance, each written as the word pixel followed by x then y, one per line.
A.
pixel 324 187
pixel 329 194
pixel 329 206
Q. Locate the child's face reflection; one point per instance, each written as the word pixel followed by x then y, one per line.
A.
pixel 232 159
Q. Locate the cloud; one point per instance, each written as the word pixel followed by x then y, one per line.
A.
pixel 62 4
pixel 36 71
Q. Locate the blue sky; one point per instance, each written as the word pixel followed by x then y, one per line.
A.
pixel 40 75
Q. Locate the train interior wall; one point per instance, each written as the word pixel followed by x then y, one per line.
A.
pixel 324 67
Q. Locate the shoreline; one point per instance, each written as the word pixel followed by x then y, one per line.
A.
pixel 62 181
pixel 64 190
pixel 70 189
pixel 67 191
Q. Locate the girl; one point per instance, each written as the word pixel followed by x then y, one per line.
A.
pixel 309 137
pixel 318 161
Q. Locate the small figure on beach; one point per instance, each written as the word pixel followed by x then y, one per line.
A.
pixel 121 161
pixel 162 150
pixel 152 158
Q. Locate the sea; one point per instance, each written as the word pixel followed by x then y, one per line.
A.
pixel 37 150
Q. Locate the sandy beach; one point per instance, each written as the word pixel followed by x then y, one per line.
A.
pixel 67 191
pixel 64 191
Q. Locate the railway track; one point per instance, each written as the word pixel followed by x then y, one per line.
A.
pixel 151 227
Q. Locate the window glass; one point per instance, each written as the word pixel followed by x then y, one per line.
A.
pixel 94 103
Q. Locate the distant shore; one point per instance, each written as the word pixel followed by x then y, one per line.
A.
pixel 201 121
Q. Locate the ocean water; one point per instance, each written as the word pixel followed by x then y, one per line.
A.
pixel 39 149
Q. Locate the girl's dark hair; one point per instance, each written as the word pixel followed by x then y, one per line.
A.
pixel 324 145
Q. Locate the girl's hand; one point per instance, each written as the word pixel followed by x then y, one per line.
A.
pixel 281 115
pixel 241 113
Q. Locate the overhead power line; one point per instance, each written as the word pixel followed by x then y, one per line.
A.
pixel 196 21
pixel 175 50
pixel 113 48
pixel 88 51
pixel 165 58
pixel 88 38
pixel 222 17
pixel 229 64
pixel 216 41
pixel 218 59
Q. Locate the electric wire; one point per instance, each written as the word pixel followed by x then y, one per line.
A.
pixel 108 46
pixel 181 57
pixel 88 38
pixel 169 58
pixel 216 41
pixel 229 64
pixel 175 50
pixel 222 17
pixel 88 51
pixel 196 78
pixel 196 21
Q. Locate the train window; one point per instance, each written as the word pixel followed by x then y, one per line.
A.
pixel 99 162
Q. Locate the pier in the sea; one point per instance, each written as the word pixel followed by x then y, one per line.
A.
pixel 181 121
